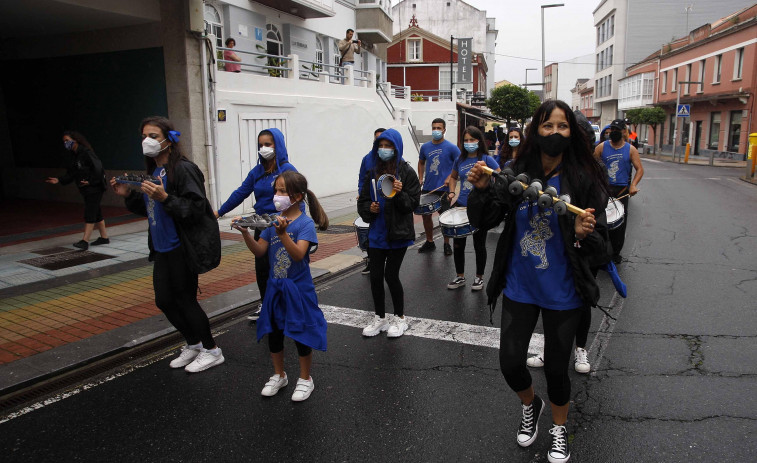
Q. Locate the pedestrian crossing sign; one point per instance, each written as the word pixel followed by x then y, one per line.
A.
pixel 684 110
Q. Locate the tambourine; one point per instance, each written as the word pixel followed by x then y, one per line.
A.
pixel 255 221
pixel 386 185
pixel 137 179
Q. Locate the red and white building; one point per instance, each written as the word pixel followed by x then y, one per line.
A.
pixel 421 60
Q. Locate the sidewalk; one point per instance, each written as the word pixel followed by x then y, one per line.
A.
pixel 60 307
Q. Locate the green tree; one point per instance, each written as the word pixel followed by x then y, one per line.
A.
pixel 512 103
pixel 652 117
pixel 635 116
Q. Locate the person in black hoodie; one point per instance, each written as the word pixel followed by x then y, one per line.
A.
pixel 86 169
pixel 182 236
pixel 391 228
pixel 542 262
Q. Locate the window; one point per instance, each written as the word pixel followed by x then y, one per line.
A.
pixel 664 85
pixel 608 57
pixel 718 68
pixel 714 131
pixel 734 131
pixel 700 87
pixel 274 44
pixel 318 54
pixel 336 53
pixel 414 50
pixel 674 84
pixel 612 26
pixel 688 79
pixel 606 30
pixel 671 129
pixel 213 24
pixel 738 65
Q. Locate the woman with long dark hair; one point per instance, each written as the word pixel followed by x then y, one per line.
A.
pixel 391 230
pixel 509 150
pixel 87 171
pixel 542 261
pixel 183 238
pixel 473 150
pixel 273 159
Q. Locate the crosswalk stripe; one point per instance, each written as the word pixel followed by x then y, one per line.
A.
pixel 440 330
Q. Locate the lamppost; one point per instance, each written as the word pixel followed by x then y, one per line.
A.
pixel 553 5
pixel 678 102
pixel 526 81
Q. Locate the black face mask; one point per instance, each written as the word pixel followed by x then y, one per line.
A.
pixel 615 136
pixel 552 145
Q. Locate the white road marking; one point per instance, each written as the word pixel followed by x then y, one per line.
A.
pixel 440 330
pixel 652 160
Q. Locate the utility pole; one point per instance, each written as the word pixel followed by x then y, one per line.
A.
pixel 679 89
pixel 451 75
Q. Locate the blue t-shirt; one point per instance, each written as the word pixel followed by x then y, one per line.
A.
pixel 439 160
pixel 282 266
pixel 162 228
pixel 618 163
pixel 462 168
pixel 538 270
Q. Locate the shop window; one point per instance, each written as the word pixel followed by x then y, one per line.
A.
pixel 734 131
pixel 714 131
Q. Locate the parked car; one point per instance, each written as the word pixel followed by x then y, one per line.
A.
pixel 596 132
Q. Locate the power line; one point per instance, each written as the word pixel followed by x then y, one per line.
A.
pixel 550 61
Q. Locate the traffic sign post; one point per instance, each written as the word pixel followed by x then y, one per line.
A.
pixel 683 110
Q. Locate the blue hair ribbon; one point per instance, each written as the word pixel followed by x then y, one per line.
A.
pixel 173 135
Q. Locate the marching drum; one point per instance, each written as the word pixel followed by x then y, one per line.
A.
pixel 454 223
pixel 361 230
pixel 430 203
pixel 615 213
pixel 386 185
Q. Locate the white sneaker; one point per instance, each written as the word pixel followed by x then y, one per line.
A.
pixel 273 385
pixel 188 353
pixel 582 360
pixel 377 326
pixel 537 361
pixel 397 327
pixel 204 360
pixel 303 389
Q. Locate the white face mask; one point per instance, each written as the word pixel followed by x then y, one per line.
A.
pixel 266 152
pixel 151 147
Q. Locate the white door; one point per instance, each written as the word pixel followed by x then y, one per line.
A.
pixel 250 125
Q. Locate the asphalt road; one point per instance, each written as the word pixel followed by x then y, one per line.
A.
pixel 673 366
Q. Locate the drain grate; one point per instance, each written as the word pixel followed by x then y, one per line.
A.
pixel 338 229
pixel 58 258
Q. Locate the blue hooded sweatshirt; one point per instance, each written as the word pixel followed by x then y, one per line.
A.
pixel 401 205
pixel 602 140
pixel 259 182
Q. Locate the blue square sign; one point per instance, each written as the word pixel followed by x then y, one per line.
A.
pixel 684 110
pixel 258 34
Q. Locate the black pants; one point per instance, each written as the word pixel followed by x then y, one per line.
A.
pixel 276 344
pixel 262 269
pixel 479 246
pixel 92 198
pixel 385 265
pixel 618 235
pixel 584 323
pixel 518 323
pixel 176 296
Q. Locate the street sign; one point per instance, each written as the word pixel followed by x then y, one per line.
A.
pixel 464 61
pixel 684 110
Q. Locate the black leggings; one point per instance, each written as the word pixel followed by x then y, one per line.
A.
pixel 276 343
pixel 518 323
pixel 262 269
pixel 176 296
pixel 582 331
pixel 479 245
pixel 618 235
pixel 385 265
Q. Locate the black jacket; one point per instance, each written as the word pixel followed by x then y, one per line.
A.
pixel 85 165
pixel 398 211
pixel 190 210
pixel 487 208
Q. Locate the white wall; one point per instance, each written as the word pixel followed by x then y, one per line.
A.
pixel 329 128
pixel 581 67
pixel 424 112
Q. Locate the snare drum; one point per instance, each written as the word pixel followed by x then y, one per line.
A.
pixel 454 223
pixel 615 213
pixel 430 203
pixel 361 230
pixel 386 185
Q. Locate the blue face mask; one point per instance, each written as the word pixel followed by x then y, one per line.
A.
pixel 68 144
pixel 386 153
pixel 470 147
pixel 514 142
pixel 437 134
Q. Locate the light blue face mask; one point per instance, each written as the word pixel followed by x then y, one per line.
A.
pixel 470 147
pixel 514 142
pixel 386 153
pixel 437 134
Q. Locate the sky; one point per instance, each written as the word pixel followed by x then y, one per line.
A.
pixel 568 30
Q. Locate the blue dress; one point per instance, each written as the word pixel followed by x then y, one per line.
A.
pixel 290 302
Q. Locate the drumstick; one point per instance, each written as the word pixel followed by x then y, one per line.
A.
pixel 574 209
pixel 375 192
pixel 437 188
pixel 618 199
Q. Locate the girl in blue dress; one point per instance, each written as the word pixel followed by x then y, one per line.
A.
pixel 290 307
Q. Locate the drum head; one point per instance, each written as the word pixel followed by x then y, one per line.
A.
pixel 456 216
pixel 614 211
pixel 360 223
pixel 387 185
pixel 429 198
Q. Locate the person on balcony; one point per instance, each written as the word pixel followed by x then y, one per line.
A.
pixel 348 48
pixel 229 55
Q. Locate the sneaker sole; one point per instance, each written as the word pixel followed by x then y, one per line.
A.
pixel 371 334
pixel 388 335
pixel 536 429
pixel 276 392
pixel 209 365
pixel 455 286
pixel 476 288
pixel 582 371
pixel 557 460
pixel 182 365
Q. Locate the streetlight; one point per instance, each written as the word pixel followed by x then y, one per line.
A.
pixel 553 5
pixel 678 102
pixel 528 69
